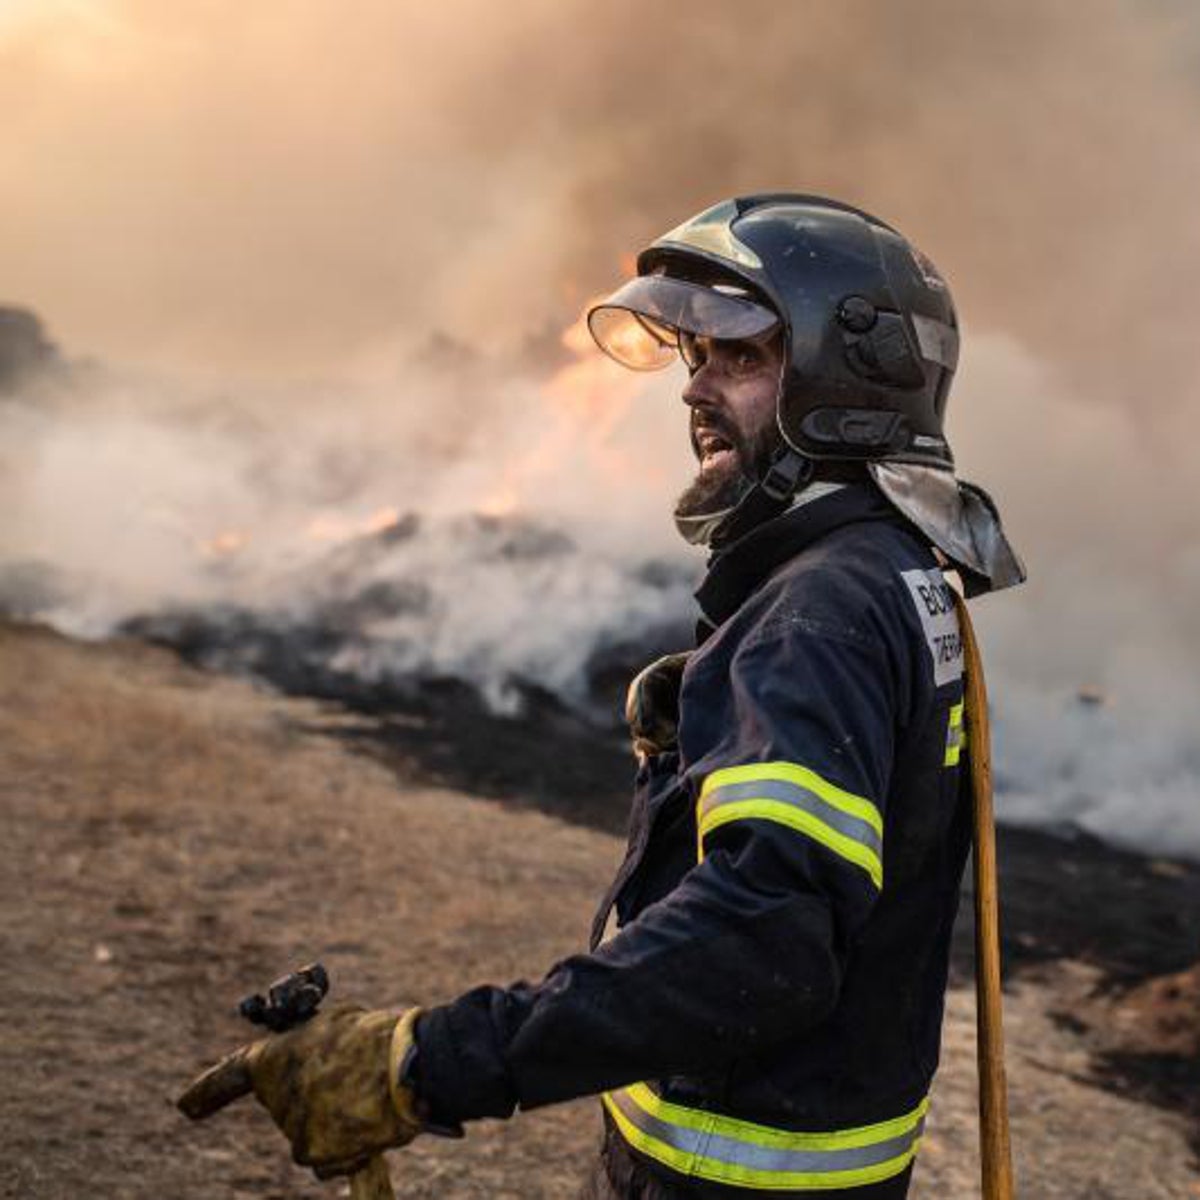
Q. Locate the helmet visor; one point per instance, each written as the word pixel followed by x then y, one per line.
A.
pixel 640 323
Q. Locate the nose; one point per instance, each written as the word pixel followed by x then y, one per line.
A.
pixel 701 390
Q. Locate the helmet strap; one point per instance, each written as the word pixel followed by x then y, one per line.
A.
pixel 789 472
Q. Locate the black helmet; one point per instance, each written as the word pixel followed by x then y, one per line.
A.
pixel 871 338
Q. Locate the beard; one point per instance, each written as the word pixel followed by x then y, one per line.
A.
pixel 714 490
pixel 717 488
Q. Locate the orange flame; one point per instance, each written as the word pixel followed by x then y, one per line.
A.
pixel 586 402
pixel 224 544
pixel 336 527
pixel 502 502
pixel 593 388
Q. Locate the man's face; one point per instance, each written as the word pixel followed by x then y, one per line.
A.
pixel 731 395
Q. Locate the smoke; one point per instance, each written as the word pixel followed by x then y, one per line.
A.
pixel 407 542
pixel 297 189
pixel 1095 662
pixel 271 216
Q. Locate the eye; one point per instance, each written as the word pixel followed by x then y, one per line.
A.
pixel 745 358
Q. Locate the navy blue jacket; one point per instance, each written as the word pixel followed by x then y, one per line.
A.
pixel 767 1014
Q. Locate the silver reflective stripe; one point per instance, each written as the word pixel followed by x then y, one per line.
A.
pixel 798 797
pixel 706 1145
pixel 764 1158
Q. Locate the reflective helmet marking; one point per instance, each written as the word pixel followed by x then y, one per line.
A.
pixel 938 341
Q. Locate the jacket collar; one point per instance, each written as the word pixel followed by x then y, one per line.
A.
pixel 737 570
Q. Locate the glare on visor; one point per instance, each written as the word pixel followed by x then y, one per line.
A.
pixel 639 324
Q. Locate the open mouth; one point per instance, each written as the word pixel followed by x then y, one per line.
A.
pixel 713 448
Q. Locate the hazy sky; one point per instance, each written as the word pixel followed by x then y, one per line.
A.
pixel 300 186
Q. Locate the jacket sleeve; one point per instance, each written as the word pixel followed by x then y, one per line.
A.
pixel 787 759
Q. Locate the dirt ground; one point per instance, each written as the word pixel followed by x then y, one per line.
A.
pixel 173 839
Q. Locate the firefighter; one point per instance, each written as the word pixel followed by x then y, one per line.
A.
pixel 761 1004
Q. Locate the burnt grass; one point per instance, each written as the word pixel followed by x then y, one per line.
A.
pixel 1066 893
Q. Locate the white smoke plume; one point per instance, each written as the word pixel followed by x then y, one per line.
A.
pixel 518 541
pixel 271 212
pixel 1095 661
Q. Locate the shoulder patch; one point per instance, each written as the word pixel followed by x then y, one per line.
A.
pixel 934 601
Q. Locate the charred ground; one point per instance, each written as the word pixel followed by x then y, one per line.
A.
pixel 173 838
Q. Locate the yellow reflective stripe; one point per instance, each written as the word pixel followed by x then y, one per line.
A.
pixel 955 736
pixel 783 814
pixel 681 1160
pixel 650 1101
pixel 797 797
pixel 710 1146
pixel 788 772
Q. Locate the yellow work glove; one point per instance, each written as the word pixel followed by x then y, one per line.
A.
pixel 332 1085
pixel 652 705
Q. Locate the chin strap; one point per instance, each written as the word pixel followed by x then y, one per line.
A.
pixel 768 497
